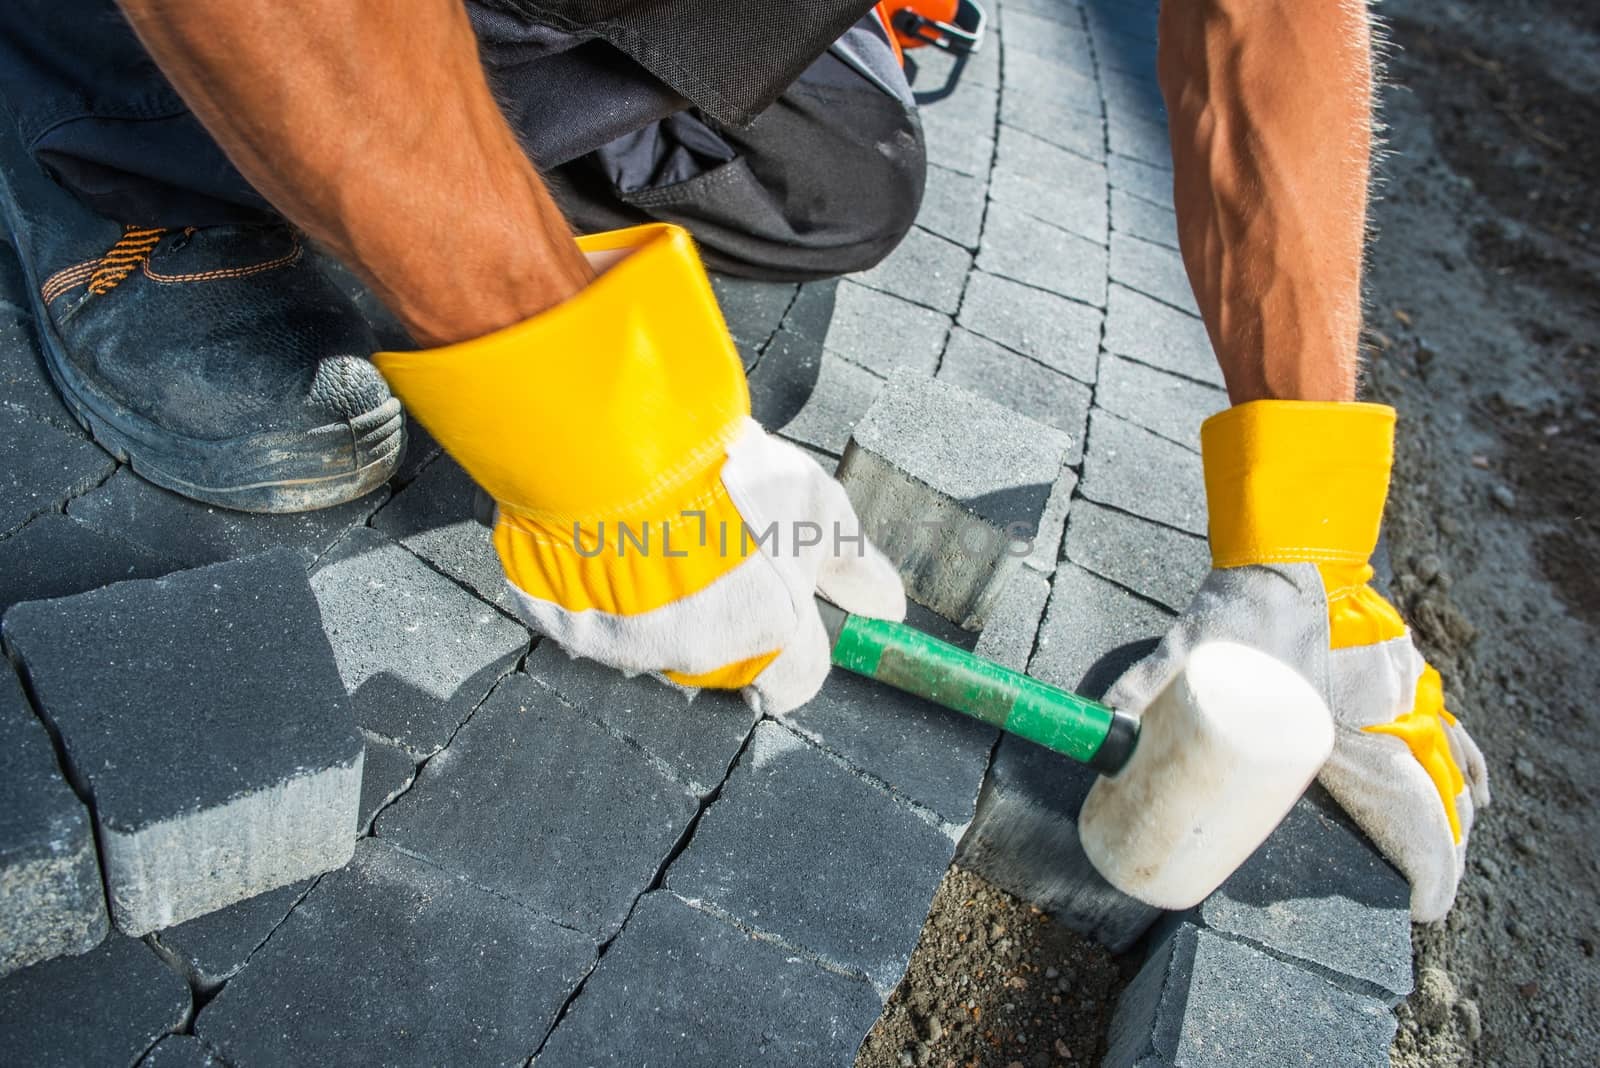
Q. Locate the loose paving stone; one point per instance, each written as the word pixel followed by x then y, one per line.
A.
pixel 958 133
pixel 1025 840
pixel 1028 388
pixel 1202 1001
pixel 1153 270
pixel 1161 403
pixel 882 333
pixel 196 534
pixel 388 772
pixel 105 1007
pixel 952 206
pixel 1317 892
pixel 945 483
pixel 249 777
pixel 925 269
pixel 1144 220
pixel 432 518
pixel 54 556
pixel 928 754
pixel 181 1051
pixel 1057 116
pixel 695 740
pixel 682 988
pixel 1093 630
pixel 753 310
pixel 1050 184
pixel 1059 333
pixel 1008 636
pixel 1157 562
pixel 1020 247
pixel 393 961
pixel 1161 336
pixel 41 465
pixel 1148 143
pixel 1138 178
pixel 1132 469
pixel 416 652
pixel 51 900
pixel 24 383
pixel 1064 42
pixel 799 847
pixel 1053 524
pixel 524 802
pixel 211 949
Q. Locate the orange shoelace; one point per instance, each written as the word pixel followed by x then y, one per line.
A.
pixel 125 257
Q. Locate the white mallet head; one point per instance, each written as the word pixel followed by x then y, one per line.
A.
pixel 1223 754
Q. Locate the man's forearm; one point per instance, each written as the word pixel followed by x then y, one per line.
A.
pixel 373 129
pixel 1269 103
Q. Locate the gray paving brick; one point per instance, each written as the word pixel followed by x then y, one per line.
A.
pixel 1144 220
pixel 930 755
pixel 753 310
pixel 1132 469
pixel 1131 96
pixel 1059 116
pixel 195 534
pixel 54 556
pixel 1028 388
pixel 958 132
pixel 952 206
pixel 882 332
pixel 1050 184
pixel 924 269
pixel 695 740
pixel 51 901
pixel 105 1007
pixel 944 482
pixel 1063 41
pixel 181 1051
pixel 1157 562
pixel 432 517
pixel 41 465
pixel 248 780
pixel 1053 524
pixel 1202 1001
pixel 1152 269
pixel 1093 630
pixel 1161 336
pixel 817 397
pixel 1025 840
pixel 1316 891
pixel 565 841
pixel 419 935
pixel 416 652
pixel 1020 247
pixel 1055 83
pixel 1128 53
pixel 1145 143
pixel 1059 333
pixel 211 949
pixel 682 988
pixel 1135 18
pixel 1160 402
pixel 1008 636
pixel 419 451
pixel 1138 178
pixel 24 383
pixel 800 847
pixel 388 772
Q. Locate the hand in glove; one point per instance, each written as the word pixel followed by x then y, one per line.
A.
pixel 1295 494
pixel 643 519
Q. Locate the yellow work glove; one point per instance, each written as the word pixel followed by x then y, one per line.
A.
pixel 643 519
pixel 1295 493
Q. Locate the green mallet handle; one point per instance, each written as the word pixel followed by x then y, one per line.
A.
pixel 907 659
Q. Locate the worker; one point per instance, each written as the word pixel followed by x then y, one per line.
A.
pixel 160 161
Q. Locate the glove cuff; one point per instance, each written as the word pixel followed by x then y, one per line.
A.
pixel 609 406
pixel 1296 481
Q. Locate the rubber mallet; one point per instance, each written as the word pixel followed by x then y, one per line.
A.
pixel 1188 789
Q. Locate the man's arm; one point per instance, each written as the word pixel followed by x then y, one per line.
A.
pixel 373 129
pixel 1270 107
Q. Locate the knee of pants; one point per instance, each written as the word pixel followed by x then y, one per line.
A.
pixel 889 195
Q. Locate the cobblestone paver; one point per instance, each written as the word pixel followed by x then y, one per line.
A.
pixel 557 861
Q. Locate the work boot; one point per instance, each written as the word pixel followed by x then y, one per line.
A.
pixel 220 363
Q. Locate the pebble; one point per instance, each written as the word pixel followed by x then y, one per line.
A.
pixel 1052 973
pixel 1525 769
pixel 1428 566
pixel 906 1059
pixel 1526 844
pixel 935 1029
pixel 1504 497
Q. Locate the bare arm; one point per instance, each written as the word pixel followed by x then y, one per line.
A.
pixel 1270 106
pixel 373 129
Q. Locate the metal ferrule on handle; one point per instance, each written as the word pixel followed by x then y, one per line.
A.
pixel 907 659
